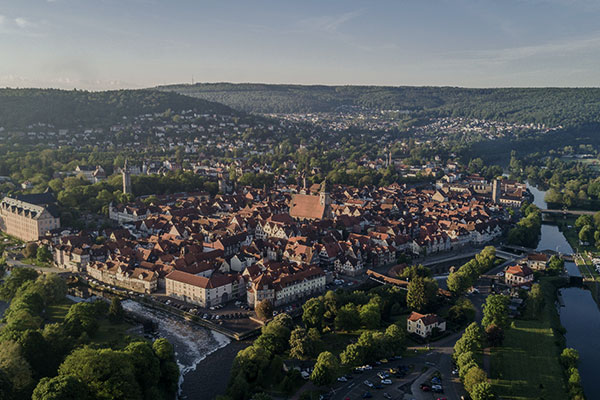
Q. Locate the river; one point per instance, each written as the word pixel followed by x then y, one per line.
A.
pixel 580 315
pixel 192 344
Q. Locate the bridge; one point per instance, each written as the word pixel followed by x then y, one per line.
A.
pixel 567 212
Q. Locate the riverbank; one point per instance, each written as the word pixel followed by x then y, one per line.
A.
pixel 211 376
pixel 527 365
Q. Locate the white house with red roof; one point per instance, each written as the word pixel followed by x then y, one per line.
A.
pixel 518 275
pixel 424 324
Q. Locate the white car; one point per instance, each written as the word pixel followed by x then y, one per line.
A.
pixel 500 274
pixel 386 381
pixel 368 383
pixel 367 367
pixel 342 379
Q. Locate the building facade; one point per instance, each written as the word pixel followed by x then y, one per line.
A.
pixel 200 290
pixel 29 217
pixel 423 325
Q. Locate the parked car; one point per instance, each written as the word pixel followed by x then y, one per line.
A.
pixel 367 395
pixel 386 381
pixel 368 383
pixel 342 379
pixel 425 388
pixel 387 396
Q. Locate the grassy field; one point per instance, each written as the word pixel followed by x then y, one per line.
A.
pixel 526 367
pixel 107 334
pixel 57 312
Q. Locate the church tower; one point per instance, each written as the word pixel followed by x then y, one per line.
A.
pixel 324 198
pixel 496 191
pixel 126 179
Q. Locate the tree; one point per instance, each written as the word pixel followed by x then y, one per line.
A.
pixel 583 220
pixel 495 311
pixel 43 254
pixel 352 355
pixel 556 265
pixel 370 316
pixel 347 318
pixel 569 358
pixel 463 311
pixel 30 250
pixel 312 313
pixel 6 388
pixel 116 312
pixel 62 387
pixel 494 335
pixel 146 365
pixel 458 283
pixel 421 293
pixel 264 309
pixel 274 337
pixel 474 333
pixel 415 271
pixel 535 300
pixel 108 373
pixel 325 370
pixel 52 287
pixel 465 359
pixel 81 318
pixel 14 365
pixel 482 391
pixel 395 339
pixel 474 376
pixel 586 234
pixel 464 345
pixel 261 396
pixel 17 277
pixel 304 343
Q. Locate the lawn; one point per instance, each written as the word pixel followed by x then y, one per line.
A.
pixel 107 334
pixel 527 366
pixel 113 335
pixel 58 312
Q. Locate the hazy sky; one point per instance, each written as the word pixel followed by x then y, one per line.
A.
pixel 103 44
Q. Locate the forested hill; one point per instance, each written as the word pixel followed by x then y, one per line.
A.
pixel 69 108
pixel 552 106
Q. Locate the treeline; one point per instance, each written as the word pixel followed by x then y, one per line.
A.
pixel 551 106
pixel 571 182
pixel 468 274
pixel 467 353
pixel 527 231
pixel 41 360
pixel 20 108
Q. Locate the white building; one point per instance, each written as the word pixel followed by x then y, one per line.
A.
pixel 423 325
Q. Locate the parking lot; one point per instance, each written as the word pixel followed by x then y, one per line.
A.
pixel 400 373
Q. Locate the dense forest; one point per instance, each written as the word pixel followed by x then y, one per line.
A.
pixel 65 109
pixel 552 106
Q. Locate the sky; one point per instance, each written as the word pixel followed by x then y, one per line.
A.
pixel 111 44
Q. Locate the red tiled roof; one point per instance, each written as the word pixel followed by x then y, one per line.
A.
pixel 306 206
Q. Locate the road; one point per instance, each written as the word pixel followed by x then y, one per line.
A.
pixel 18 264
